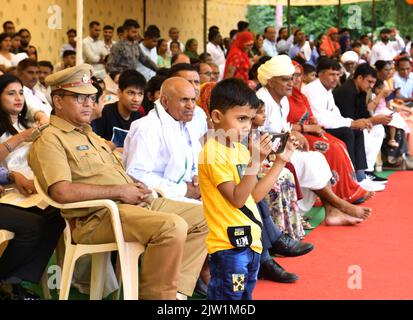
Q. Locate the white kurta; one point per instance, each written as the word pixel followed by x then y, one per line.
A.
pixel 163 161
pixel 311 167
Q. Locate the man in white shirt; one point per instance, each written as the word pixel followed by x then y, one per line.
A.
pixel 148 47
pixel 403 79
pixel 108 37
pixel 285 42
pixel 161 149
pixel 38 108
pixel 313 171
pixel 71 42
pixel 94 51
pixel 215 50
pixel 269 44
pixel 320 96
pixel 174 36
pixel 45 69
pixel 386 49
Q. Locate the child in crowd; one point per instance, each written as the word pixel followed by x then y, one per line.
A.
pixel 384 106
pixel 309 75
pixel 230 190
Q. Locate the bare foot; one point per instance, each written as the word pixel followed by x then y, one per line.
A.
pixel 334 217
pixel 369 195
pixel 355 211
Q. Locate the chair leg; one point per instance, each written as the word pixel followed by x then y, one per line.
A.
pixel 45 286
pixel 67 272
pixel 97 282
pixel 116 294
pixel 130 272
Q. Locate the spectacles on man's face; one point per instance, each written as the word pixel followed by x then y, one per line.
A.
pixel 81 98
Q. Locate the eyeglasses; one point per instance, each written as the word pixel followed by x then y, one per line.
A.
pixel 81 98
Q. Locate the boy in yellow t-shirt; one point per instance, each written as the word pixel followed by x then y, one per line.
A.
pixel 230 190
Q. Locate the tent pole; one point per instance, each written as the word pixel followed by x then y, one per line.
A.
pixel 205 24
pixel 79 31
pixel 373 18
pixel 144 14
pixel 339 14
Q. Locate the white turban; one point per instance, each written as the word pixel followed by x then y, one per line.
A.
pixel 277 66
pixel 349 56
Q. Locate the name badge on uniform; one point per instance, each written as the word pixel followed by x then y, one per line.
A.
pixel 82 148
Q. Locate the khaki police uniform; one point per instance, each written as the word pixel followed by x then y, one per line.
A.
pixel 173 232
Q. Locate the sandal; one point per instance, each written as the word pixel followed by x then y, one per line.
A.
pixel 393 143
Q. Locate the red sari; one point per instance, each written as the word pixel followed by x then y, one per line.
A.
pixel 238 58
pixel 344 182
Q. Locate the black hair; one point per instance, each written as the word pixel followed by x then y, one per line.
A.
pixel 378 84
pixel 71 31
pixel 108 27
pixel 212 34
pixel 23 30
pixel 180 67
pixel 67 53
pixel 6 126
pixel 130 23
pixel 26 63
pixel 159 43
pixel 99 89
pixel 120 29
pixel 6 23
pixel 279 32
pixel 232 33
pixel 94 23
pixel 152 32
pixel 380 64
pixel 267 27
pixel 162 72
pixel 174 42
pixel 356 44
pixel 45 63
pixel 327 64
pixel 308 68
pixel 213 28
pixel 4 35
pixel 253 73
pixel 365 70
pixel 113 74
pixel 154 84
pixel 131 78
pixel 242 25
pixel 232 92
pixel 385 30
pixel 364 36
pixel 204 56
pixel 403 59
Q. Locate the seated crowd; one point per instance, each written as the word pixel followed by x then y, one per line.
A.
pixel 184 143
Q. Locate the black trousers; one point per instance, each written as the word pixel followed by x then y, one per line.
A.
pixel 36 235
pixel 354 140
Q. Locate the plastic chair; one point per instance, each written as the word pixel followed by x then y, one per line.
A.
pixel 129 252
pixel 5 237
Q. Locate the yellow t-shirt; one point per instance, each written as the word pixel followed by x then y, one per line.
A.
pixel 228 226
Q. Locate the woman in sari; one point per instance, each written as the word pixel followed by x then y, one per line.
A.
pixel 344 183
pixel 238 62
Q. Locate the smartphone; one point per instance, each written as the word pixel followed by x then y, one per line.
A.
pixel 279 141
pixel 392 95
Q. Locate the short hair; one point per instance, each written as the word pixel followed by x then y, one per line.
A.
pixel 242 25
pixel 308 68
pixel 175 69
pixel 403 59
pixel 71 31
pixel 380 64
pixel 6 23
pixel 364 36
pixel 99 89
pixel 130 23
pixel 93 23
pixel 23 30
pixel 267 27
pixel 67 53
pixel 385 30
pixel 204 56
pixel 327 64
pixel 120 29
pixel 232 92
pixel 365 70
pixel 45 63
pixel 356 44
pixel 232 33
pixel 152 32
pixel 26 63
pixel 113 74
pixel 131 78
pixel 212 34
pixel 155 83
pixel 162 72
pixel 108 27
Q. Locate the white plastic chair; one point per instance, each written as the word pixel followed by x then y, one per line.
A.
pixel 129 252
pixel 5 237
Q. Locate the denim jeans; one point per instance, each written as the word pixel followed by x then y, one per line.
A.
pixel 233 274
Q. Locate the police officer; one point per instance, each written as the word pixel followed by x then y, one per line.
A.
pixel 73 164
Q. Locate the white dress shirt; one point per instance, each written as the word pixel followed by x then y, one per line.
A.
pixel 36 101
pixel 405 85
pixel 93 52
pixel 146 155
pixel 270 48
pixel 218 56
pixel 324 107
pixel 386 52
pixel 276 115
pixel 153 55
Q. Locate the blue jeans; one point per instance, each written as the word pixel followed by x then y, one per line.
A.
pixel 233 274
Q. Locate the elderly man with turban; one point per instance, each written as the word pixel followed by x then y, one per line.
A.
pixel 314 174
